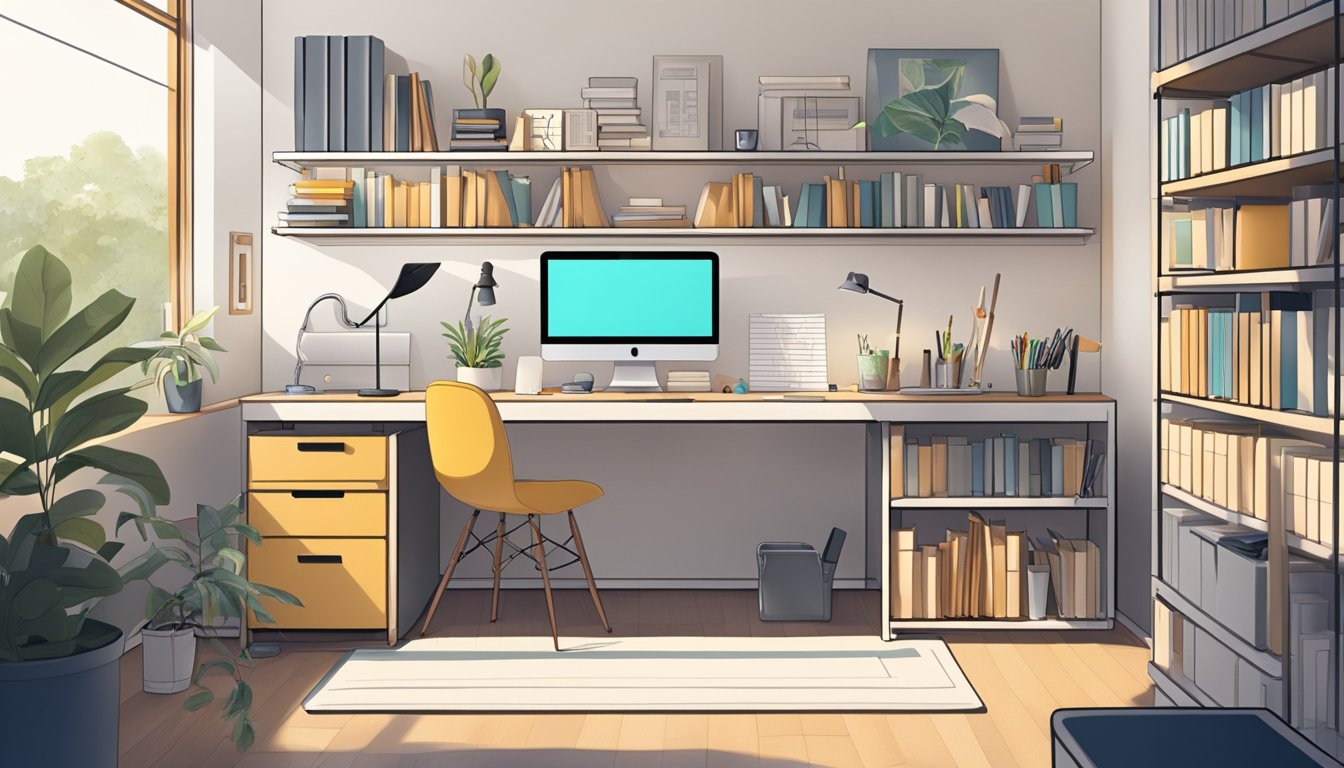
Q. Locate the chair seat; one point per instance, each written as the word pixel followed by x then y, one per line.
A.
pixel 551 497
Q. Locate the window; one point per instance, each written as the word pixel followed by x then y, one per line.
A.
pixel 95 162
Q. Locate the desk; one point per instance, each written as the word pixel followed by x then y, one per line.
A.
pixel 847 431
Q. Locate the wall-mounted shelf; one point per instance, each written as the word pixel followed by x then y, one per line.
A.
pixel 1324 425
pixel 772 235
pixel 1070 161
pixel 1194 282
pixel 1209 508
pixel 1000 502
pixel 1268 178
pixel 975 625
pixel 1288 47
pixel 1265 661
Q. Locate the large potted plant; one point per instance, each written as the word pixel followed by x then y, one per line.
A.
pixel 218 589
pixel 476 352
pixel 59 671
pixel 183 355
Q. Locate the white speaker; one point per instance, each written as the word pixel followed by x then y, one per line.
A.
pixel 528 379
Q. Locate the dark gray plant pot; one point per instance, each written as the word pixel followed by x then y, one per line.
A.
pixel 182 399
pixel 490 113
pixel 63 712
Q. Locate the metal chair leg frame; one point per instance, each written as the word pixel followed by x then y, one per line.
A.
pixel 448 572
pixel 587 570
pixel 499 549
pixel 545 578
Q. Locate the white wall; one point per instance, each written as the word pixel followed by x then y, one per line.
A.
pixel 1127 316
pixel 227 179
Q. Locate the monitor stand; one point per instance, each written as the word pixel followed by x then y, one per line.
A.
pixel 634 377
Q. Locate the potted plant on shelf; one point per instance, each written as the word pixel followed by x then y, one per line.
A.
pixel 58 667
pixel 184 354
pixel 218 589
pixel 483 121
pixel 476 352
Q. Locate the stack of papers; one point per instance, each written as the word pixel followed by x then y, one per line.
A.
pixel 688 381
pixel 787 352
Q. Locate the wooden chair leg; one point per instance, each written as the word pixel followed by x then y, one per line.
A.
pixel 587 570
pixel 448 572
pixel 540 550
pixel 499 550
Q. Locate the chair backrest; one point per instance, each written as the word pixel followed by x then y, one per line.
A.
pixel 468 446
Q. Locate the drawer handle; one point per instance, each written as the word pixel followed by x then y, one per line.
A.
pixel 317 494
pixel 315 559
pixel 321 447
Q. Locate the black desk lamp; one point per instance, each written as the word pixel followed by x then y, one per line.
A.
pixel 412 278
pixel 483 291
pixel 858 283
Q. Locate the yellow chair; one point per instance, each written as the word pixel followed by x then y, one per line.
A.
pixel 472 461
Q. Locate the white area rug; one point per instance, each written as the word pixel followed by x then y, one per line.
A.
pixel 648 674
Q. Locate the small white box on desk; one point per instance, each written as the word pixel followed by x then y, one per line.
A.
pixel 1241 592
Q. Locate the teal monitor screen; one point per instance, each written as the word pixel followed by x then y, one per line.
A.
pixel 670 298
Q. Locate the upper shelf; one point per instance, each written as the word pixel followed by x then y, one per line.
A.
pixel 1300 43
pixel 1245 280
pixel 1070 160
pixel 763 235
pixel 1306 422
pixel 1268 178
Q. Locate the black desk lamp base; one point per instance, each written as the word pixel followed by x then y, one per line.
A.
pixel 379 392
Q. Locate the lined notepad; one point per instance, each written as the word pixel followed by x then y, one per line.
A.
pixel 787 352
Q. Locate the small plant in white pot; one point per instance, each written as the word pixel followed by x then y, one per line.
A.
pixel 218 589
pixel 183 355
pixel 476 352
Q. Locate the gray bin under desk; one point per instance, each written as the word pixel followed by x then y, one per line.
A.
pixel 795 583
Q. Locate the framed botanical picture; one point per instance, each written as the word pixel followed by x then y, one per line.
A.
pixel 930 99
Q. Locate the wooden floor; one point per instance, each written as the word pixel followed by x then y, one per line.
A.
pixel 1022 677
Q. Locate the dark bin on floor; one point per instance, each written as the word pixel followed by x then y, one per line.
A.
pixel 795 580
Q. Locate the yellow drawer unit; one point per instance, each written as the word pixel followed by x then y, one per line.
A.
pixel 318 513
pixel 342 582
pixel 317 461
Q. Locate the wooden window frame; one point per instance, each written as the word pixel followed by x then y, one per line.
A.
pixel 177 20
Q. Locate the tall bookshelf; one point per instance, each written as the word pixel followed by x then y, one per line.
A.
pixel 1206 652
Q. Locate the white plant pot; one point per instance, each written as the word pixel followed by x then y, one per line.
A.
pixel 488 379
pixel 169 659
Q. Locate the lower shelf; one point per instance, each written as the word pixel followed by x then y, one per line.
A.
pixel 906 625
pixel 1265 661
pixel 1182 692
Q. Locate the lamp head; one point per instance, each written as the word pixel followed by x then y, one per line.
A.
pixel 412 278
pixel 856 282
pixel 485 285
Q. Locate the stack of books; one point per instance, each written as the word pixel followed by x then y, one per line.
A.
pixel 1056 200
pixel 477 134
pixel 787 352
pixel 745 201
pixel 616 102
pixel 319 203
pixel 1003 465
pixel 808 112
pixel 408 114
pixel 688 381
pixel 650 212
pixel 975 573
pixel 1039 133
pixel 339 100
pixel 573 201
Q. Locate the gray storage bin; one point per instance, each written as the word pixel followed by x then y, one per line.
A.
pixel 795 580
pixel 1241 596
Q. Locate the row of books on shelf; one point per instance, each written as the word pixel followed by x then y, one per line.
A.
pixel 1231 234
pixel 981 572
pixel 1234 466
pixel 344 101
pixel 1274 120
pixel 1190 27
pixel 1002 465
pixel 1270 350
pixel 892 200
pixel 483 198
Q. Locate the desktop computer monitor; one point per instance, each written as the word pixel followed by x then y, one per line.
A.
pixel 631 308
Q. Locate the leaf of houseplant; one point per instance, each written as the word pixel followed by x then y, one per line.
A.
pixel 15 370
pixel 198 321
pixel 132 466
pixel 85 328
pixel 101 415
pixel 61 388
pixel 911 73
pixel 489 76
pixel 16 429
pixel 198 699
pixel 83 531
pixel 21 482
pixel 76 504
pixel 39 302
pixel 199 355
pixel 211 344
pixel 157 598
pixel 977 116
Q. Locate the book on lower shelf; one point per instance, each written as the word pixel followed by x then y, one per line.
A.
pixel 1002 465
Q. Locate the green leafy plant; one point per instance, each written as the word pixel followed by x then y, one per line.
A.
pixel 930 109
pixel 218 589
pixel 487 76
pixel 477 347
pixel 184 353
pixel 56 563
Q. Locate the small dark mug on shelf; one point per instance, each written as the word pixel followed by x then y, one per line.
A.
pixel 746 139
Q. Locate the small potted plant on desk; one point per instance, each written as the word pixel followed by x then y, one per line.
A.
pixel 476 352
pixel 184 354
pixel 218 589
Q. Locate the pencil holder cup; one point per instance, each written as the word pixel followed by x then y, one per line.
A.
pixel 1031 382
pixel 873 371
pixel 942 374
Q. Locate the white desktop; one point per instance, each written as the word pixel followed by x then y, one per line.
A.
pixel 632 308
